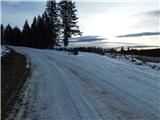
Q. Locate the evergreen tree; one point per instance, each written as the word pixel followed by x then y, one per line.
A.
pixel 47 31
pixel 8 34
pixel 2 34
pixel 40 31
pixel 17 36
pixel 34 34
pixel 26 34
pixel 122 49
pixel 52 13
pixel 128 49
pixel 69 20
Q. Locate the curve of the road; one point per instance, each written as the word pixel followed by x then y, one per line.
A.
pixel 88 87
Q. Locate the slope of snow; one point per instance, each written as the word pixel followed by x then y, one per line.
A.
pixel 4 50
pixel 88 87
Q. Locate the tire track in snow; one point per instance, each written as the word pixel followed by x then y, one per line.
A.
pixel 77 93
pixel 82 100
pixel 140 101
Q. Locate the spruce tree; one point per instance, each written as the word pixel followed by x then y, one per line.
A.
pixel 69 20
pixel 16 36
pixel 26 34
pixel 52 13
pixel 34 33
pixel 122 49
pixel 8 34
pixel 2 34
pixel 47 31
pixel 41 30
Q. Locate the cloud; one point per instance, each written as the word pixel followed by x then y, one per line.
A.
pixel 151 13
pixel 140 34
pixel 147 20
pixel 87 39
pixel 154 13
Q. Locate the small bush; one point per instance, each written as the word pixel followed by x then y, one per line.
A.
pixel 75 52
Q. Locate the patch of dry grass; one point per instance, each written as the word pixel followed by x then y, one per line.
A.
pixel 148 58
pixel 13 76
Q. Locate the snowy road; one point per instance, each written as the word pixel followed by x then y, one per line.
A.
pixel 88 87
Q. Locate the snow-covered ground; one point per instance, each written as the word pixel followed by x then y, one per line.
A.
pixel 136 61
pixel 4 50
pixel 88 87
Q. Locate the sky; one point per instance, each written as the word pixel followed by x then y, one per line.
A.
pixel 107 18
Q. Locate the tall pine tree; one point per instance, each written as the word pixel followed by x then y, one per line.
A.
pixel 52 13
pixel 8 35
pixel 2 34
pixel 26 32
pixel 16 36
pixel 34 33
pixel 47 31
pixel 40 31
pixel 69 20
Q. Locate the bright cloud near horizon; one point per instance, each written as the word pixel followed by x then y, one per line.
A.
pixel 96 17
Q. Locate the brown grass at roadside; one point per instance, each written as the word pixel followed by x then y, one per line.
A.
pixel 13 76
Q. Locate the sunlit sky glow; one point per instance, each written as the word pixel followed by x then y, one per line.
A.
pixel 107 18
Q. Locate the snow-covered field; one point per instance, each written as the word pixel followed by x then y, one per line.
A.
pixel 88 87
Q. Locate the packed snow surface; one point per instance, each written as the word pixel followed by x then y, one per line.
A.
pixel 88 87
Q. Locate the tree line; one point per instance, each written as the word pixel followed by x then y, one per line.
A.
pixel 59 21
pixel 122 50
pixel 143 52
pixel 97 50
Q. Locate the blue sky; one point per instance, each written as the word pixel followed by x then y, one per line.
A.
pixel 16 12
pixel 96 17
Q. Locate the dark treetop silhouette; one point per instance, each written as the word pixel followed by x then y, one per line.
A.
pixel 58 21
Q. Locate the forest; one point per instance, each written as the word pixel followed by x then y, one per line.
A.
pixel 58 22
